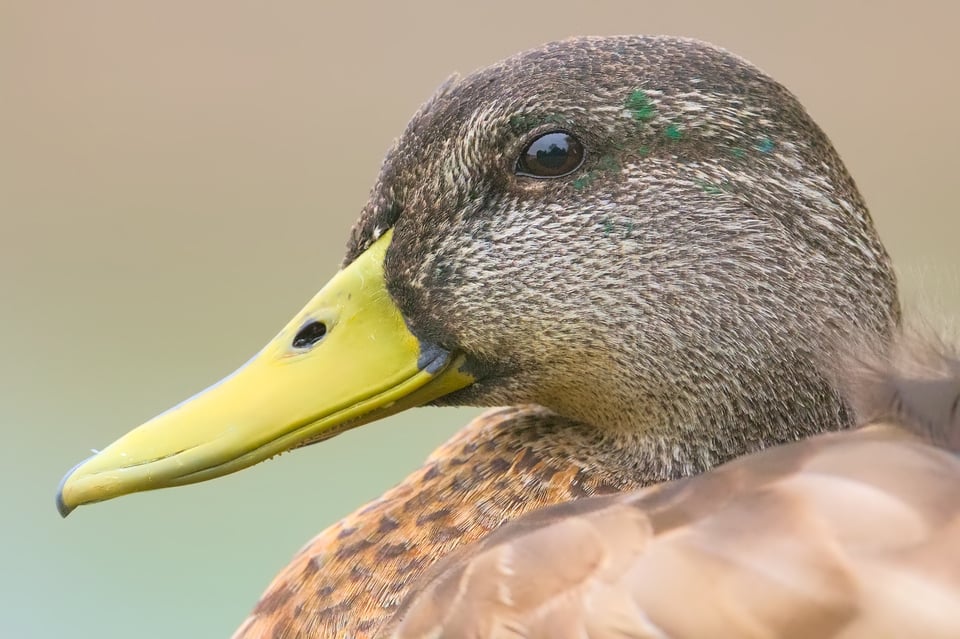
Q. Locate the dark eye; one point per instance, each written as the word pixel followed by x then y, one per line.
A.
pixel 310 334
pixel 551 155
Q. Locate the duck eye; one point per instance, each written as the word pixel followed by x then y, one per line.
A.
pixel 310 334
pixel 551 155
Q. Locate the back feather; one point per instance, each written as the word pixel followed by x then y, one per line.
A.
pixel 914 383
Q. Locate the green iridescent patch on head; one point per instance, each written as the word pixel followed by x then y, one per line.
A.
pixel 518 123
pixel 584 180
pixel 608 163
pixel 712 188
pixel 764 145
pixel 708 187
pixel 640 106
pixel 620 228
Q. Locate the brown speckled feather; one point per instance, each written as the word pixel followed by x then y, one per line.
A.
pixel 853 535
pixel 349 579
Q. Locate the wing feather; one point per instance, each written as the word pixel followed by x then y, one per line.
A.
pixel 849 535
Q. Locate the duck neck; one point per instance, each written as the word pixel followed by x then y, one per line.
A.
pixel 660 427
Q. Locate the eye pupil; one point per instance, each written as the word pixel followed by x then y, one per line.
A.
pixel 309 334
pixel 551 155
pixel 554 157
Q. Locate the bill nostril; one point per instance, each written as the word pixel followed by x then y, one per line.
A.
pixel 309 334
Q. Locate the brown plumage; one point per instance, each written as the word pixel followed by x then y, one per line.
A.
pixel 349 579
pixel 853 535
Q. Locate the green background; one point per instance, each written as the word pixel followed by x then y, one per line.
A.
pixel 178 178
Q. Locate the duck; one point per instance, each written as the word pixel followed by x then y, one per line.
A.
pixel 646 258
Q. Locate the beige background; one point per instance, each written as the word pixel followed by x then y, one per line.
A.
pixel 177 178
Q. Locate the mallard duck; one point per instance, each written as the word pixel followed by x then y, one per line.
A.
pixel 644 247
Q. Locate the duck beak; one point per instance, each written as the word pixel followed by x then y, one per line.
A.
pixel 346 359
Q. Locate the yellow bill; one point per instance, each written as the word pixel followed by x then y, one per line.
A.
pixel 346 359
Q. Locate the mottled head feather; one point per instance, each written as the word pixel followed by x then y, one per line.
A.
pixel 711 243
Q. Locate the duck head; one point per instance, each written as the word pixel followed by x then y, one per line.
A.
pixel 647 235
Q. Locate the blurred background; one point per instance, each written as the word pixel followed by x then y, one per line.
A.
pixel 178 178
